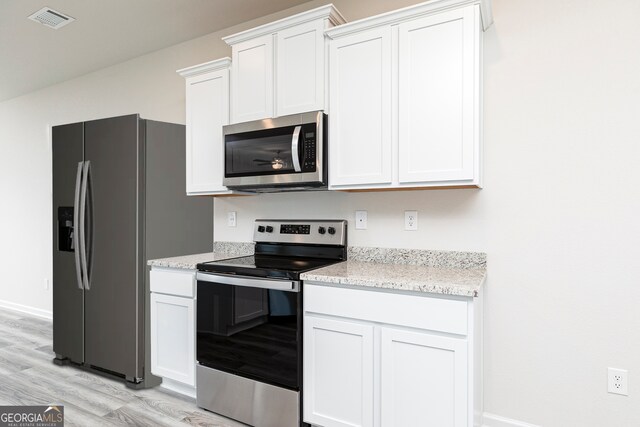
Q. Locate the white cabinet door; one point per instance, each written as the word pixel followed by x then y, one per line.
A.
pixel 338 373
pixel 424 379
pixel 207 111
pixel 300 68
pixel 173 338
pixel 252 80
pixel 438 92
pixel 360 148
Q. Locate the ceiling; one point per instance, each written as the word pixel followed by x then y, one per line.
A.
pixel 106 32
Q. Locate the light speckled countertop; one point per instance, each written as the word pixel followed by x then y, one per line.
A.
pixel 189 262
pixel 221 250
pixel 439 272
pixel 402 277
pixel 417 270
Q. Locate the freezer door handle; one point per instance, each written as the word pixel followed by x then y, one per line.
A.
pixel 83 235
pixel 76 219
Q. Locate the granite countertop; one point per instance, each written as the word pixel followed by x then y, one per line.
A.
pixel 221 250
pixel 188 262
pixel 438 272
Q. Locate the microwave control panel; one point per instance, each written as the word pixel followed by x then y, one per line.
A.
pixel 309 161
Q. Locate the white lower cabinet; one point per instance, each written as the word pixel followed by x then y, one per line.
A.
pixel 423 379
pixel 338 358
pixel 374 358
pixel 173 328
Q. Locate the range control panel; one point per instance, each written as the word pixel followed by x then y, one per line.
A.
pixel 330 232
pixel 295 229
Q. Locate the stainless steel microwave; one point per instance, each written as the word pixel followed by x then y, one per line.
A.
pixel 282 154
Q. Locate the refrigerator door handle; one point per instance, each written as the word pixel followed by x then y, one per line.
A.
pixel 76 230
pixel 83 237
pixel 89 237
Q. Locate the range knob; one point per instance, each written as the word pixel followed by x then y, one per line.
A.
pixel 261 229
pixel 331 230
pixel 269 229
pixel 321 230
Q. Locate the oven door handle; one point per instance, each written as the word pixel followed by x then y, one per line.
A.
pixel 250 282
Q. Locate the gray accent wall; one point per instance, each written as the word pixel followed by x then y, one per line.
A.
pixel 176 224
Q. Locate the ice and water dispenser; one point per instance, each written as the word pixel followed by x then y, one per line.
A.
pixel 65 229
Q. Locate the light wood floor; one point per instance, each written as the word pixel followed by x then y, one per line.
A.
pixel 29 377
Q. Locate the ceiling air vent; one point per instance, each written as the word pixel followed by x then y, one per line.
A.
pixel 51 18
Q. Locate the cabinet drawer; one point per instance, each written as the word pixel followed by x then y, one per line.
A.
pixel 414 311
pixel 181 283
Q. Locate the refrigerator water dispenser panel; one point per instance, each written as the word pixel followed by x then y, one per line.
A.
pixel 65 229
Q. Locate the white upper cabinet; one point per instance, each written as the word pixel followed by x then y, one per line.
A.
pixel 409 113
pixel 252 79
pixel 300 68
pixel 438 93
pixel 360 146
pixel 207 108
pixel 280 68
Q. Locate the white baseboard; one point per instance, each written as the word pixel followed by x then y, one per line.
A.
pixel 38 312
pixel 493 420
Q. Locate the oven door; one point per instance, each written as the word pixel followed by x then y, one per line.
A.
pixel 250 327
pixel 276 152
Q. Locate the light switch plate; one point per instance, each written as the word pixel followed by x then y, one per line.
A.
pixel 361 220
pixel 231 219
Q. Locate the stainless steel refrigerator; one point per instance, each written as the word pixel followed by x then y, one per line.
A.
pixel 118 200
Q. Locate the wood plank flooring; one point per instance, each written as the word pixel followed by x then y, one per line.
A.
pixel 29 377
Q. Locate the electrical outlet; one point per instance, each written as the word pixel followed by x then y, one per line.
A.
pixel 411 220
pixel 231 219
pixel 617 381
pixel 361 220
pixel 46 284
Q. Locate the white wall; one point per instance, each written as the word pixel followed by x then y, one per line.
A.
pixel 558 216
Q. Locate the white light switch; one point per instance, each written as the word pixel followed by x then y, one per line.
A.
pixel 231 219
pixel 361 220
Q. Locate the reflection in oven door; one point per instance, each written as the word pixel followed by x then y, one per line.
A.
pixel 233 309
pixel 251 332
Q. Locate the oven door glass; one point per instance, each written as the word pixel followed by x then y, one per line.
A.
pixel 251 332
pixel 265 152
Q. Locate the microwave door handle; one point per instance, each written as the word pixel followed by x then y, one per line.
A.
pixel 295 154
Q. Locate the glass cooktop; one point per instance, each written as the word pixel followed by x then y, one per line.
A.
pixel 265 266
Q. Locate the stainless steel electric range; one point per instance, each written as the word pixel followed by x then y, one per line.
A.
pixel 249 321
